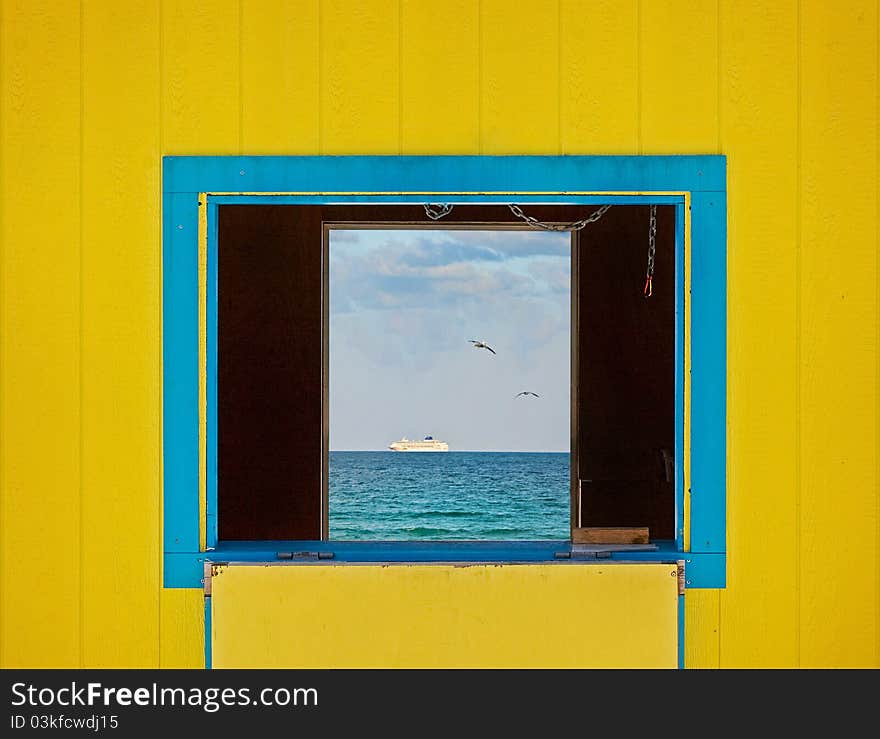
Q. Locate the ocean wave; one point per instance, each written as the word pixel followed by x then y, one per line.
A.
pixel 429 531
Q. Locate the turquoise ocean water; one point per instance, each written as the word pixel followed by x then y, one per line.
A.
pixel 386 496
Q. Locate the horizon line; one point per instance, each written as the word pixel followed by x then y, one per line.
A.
pixel 470 451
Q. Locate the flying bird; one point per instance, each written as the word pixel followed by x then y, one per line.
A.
pixel 481 345
pixel 526 392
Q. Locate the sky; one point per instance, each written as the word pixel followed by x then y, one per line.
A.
pixel 403 305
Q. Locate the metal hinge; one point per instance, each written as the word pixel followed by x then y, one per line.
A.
pixel 210 571
pixel 602 551
pixel 595 553
pixel 681 580
pixel 308 556
pixel 207 575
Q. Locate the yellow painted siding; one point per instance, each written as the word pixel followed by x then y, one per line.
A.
pixel 120 424
pixel 439 70
pixel 519 78
pixel 599 77
pixel 183 628
pixel 759 132
pixel 41 557
pixel 837 322
pixel 360 77
pixel 280 77
pixel 678 77
pixel 200 82
pixel 93 93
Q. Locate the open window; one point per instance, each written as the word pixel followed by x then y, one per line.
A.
pixel 273 383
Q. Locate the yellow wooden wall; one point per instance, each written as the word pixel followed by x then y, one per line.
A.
pixel 93 93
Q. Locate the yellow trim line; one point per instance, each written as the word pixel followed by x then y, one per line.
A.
pixel 203 326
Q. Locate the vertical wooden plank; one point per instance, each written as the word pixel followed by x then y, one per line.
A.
pixel 759 133
pixel 360 80
pixel 519 78
pixel 702 628
pixel 40 393
pixel 838 335
pixel 599 77
pixel 201 110
pixel 183 628
pixel 678 72
pixel 280 95
pixel 439 77
pixel 121 349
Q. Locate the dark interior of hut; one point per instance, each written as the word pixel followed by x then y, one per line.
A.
pixel 271 364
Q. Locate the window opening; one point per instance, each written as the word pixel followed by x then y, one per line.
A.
pixel 449 384
pixel 274 380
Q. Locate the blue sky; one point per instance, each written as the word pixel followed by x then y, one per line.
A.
pixel 403 305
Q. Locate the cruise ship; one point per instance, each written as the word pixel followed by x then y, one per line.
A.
pixel 428 444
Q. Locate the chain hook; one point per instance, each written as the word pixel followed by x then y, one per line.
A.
pixel 436 211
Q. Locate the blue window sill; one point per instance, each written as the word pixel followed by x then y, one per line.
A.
pixel 184 570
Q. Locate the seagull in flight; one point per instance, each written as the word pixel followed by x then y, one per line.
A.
pixel 481 345
pixel 526 392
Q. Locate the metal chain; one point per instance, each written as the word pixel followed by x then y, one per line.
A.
pixel 436 211
pixel 576 226
pixel 652 249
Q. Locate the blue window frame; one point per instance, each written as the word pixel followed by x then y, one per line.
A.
pixel 194 187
